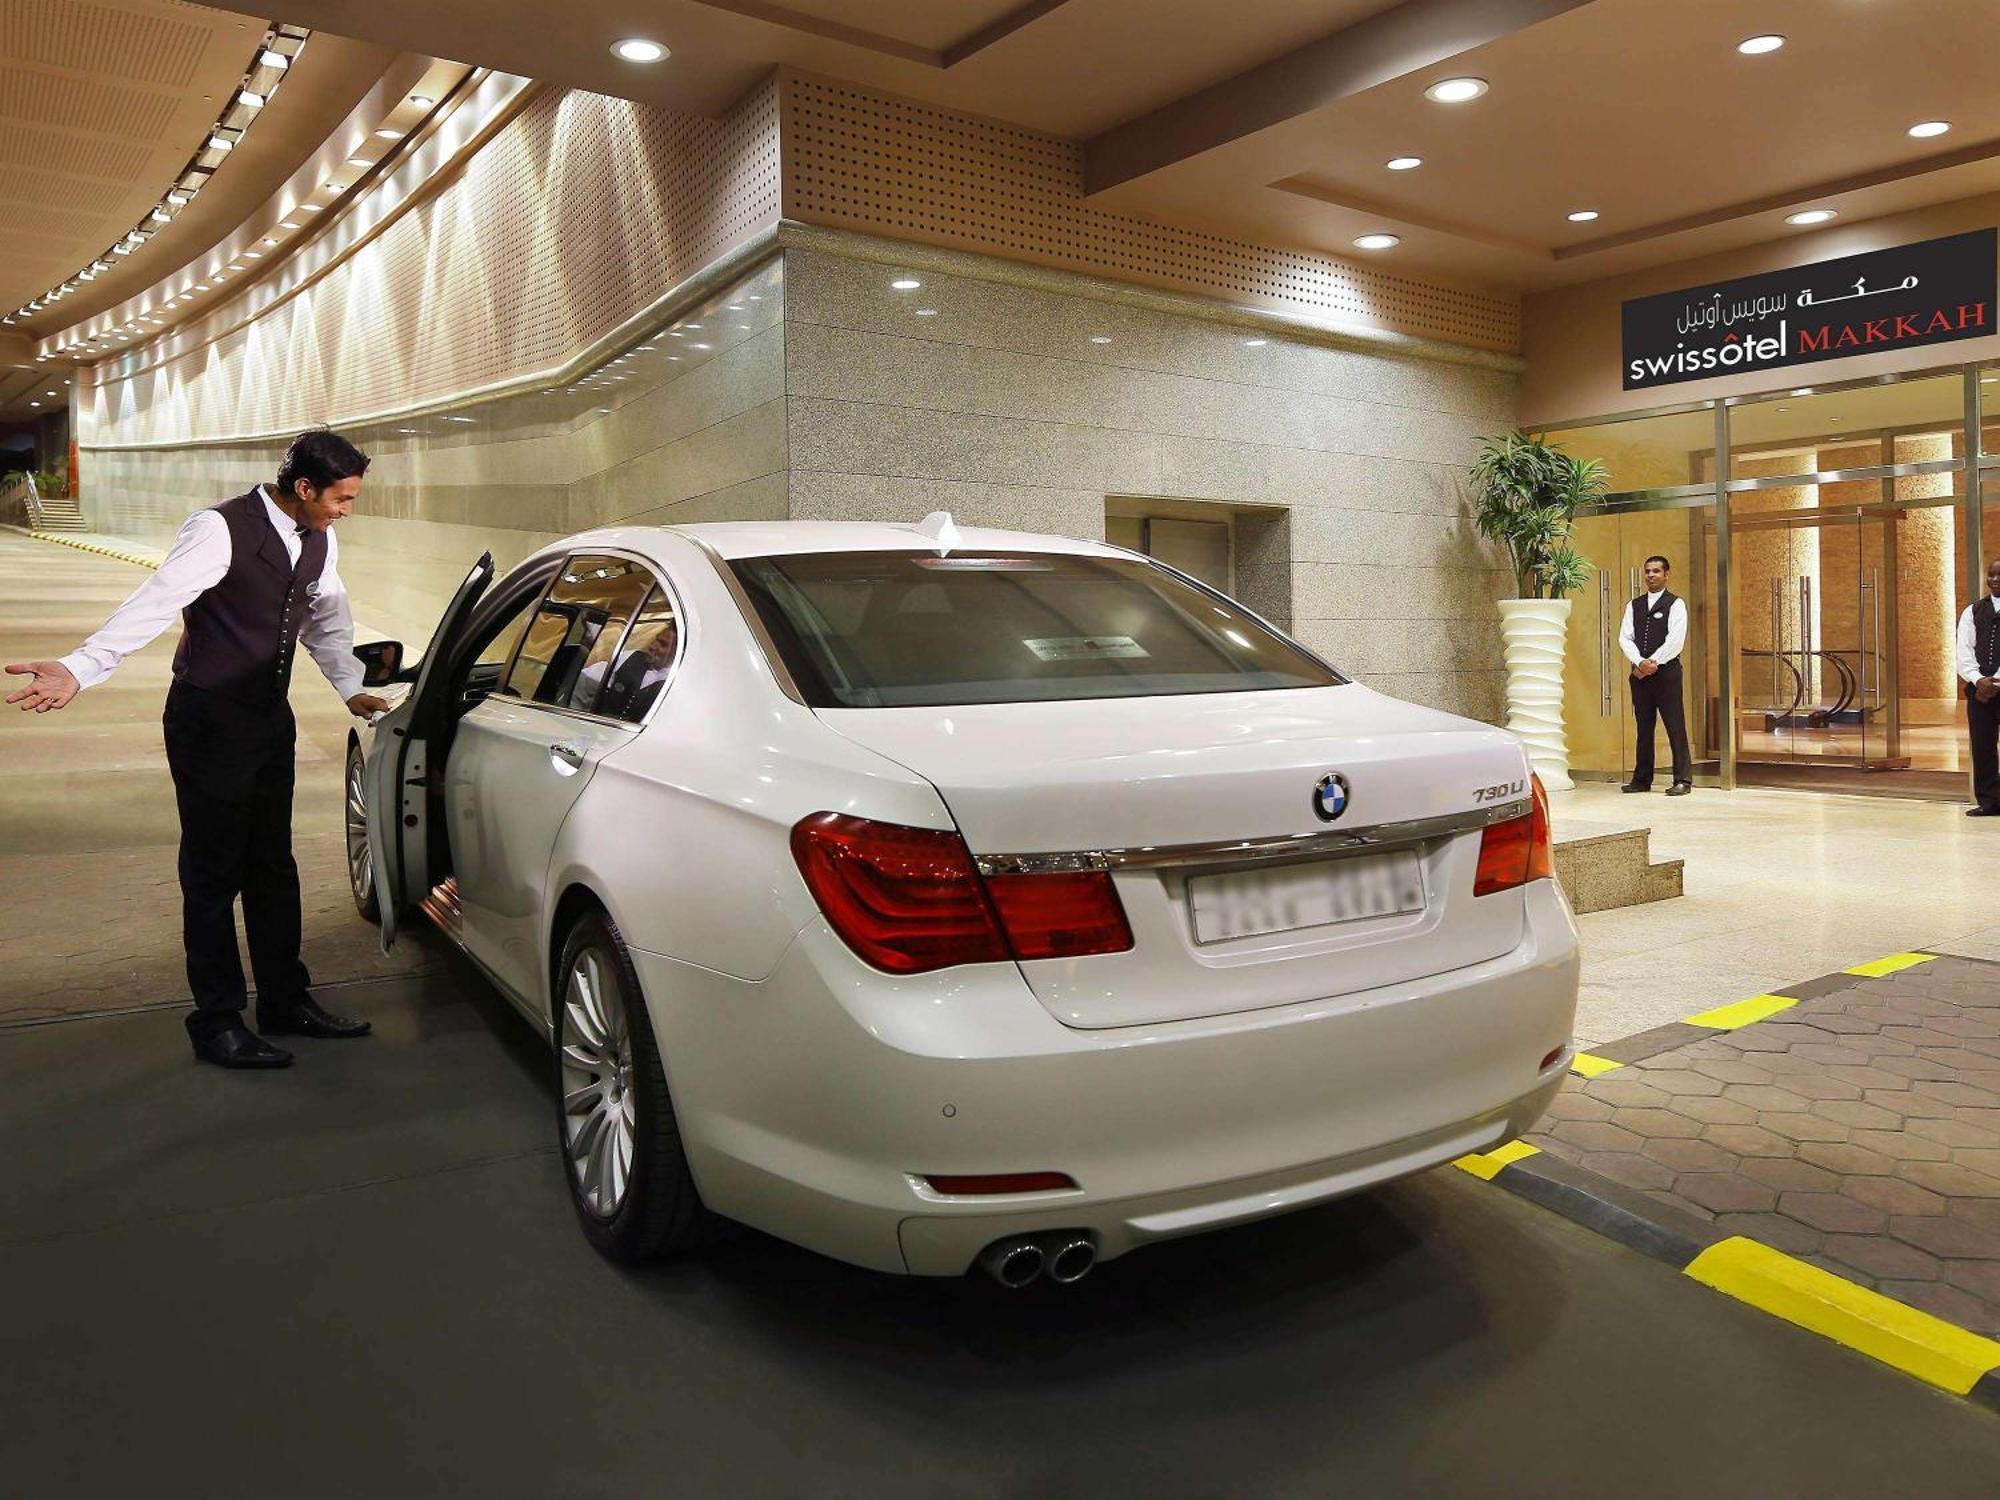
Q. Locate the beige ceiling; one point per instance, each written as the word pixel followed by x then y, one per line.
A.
pixel 1271 119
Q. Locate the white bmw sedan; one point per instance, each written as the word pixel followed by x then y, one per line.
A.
pixel 935 897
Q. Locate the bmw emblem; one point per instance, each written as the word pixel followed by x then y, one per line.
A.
pixel 1330 796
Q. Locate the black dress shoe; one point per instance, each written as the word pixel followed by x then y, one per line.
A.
pixel 1983 812
pixel 1633 786
pixel 1680 788
pixel 307 1019
pixel 237 1046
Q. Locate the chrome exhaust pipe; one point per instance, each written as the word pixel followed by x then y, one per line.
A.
pixel 1012 1262
pixel 1070 1257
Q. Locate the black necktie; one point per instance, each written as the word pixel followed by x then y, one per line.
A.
pixel 303 529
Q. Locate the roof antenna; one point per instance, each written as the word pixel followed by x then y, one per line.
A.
pixel 939 528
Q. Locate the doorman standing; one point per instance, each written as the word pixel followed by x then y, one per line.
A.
pixel 1978 664
pixel 1652 636
pixel 254 579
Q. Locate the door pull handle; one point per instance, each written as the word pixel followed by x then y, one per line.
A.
pixel 566 756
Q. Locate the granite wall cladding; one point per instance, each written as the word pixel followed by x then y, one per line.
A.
pixel 1019 406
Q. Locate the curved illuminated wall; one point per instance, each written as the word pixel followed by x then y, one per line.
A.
pixel 1051 358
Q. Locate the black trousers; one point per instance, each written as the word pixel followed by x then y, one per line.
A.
pixel 232 767
pixel 1982 720
pixel 1659 696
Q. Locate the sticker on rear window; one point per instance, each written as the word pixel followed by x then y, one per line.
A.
pixel 1084 647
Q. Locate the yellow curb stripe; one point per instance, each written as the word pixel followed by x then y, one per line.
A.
pixel 1487 1166
pixel 1742 1012
pixel 1591 1067
pixel 1914 1342
pixel 1894 963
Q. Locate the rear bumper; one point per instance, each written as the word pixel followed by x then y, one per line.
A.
pixel 812 1103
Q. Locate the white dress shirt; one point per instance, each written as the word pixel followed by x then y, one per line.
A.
pixel 1677 630
pixel 597 671
pixel 1968 647
pixel 196 562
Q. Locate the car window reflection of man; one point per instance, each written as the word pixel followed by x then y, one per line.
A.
pixel 1979 669
pixel 634 678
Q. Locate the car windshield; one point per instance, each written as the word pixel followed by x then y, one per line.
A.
pixel 913 629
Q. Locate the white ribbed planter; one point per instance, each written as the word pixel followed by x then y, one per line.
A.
pixel 1533 631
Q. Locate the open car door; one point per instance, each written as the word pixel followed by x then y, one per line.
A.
pixel 399 771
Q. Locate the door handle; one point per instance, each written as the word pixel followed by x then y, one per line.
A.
pixel 567 757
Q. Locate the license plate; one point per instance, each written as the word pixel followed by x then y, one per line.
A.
pixel 1325 893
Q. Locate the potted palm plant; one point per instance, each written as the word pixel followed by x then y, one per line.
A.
pixel 1526 492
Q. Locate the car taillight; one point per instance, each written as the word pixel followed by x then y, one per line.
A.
pixel 910 900
pixel 1517 851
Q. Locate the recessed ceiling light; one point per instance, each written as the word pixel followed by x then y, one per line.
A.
pixel 1583 216
pixel 34 403
pixel 905 284
pixel 704 346
pixel 1756 46
pixel 1403 163
pixel 289 224
pixel 250 99
pixel 1255 343
pixel 386 134
pixel 1377 242
pixel 1925 129
pixel 253 254
pixel 1810 216
pixel 178 199
pixel 1455 90
pixel 927 312
pixel 1100 338
pixel 220 143
pixel 1804 390
pixel 422 101
pixel 638 50
pixel 269 59
pixel 161 216
pixel 307 208
pixel 358 161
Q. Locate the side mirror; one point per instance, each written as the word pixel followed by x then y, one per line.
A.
pixel 382 662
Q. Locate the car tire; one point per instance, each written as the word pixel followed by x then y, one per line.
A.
pixel 612 1105
pixel 360 857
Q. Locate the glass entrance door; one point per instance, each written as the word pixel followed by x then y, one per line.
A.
pixel 1815 638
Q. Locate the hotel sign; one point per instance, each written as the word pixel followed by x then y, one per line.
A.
pixel 1929 293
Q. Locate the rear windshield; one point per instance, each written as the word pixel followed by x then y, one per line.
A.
pixel 912 629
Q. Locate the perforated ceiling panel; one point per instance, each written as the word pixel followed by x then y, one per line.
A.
pixel 860 160
pixel 163 48
pixel 577 214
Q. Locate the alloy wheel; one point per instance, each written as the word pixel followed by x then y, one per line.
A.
pixel 599 1112
pixel 360 858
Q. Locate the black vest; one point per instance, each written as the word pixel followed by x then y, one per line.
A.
pixel 242 633
pixel 622 697
pixel 1986 637
pixel 1649 627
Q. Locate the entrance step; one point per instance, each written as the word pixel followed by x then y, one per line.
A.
pixel 61 515
pixel 1600 871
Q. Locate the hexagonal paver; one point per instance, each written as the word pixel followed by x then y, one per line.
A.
pixel 1980 1160
pixel 1595 1135
pixel 1950 1179
pixel 1696 1156
pixel 1730 1070
pixel 1984 1212
pixel 1628 1093
pixel 1853 1054
pixel 1765 1097
pixel 1681 1081
pixel 1857 1111
pixel 1716 1111
pixel 1893 1195
pixel 1902 1145
pixel 1772 1229
pixel 1869 1077
pixel 1841 1157
pixel 1787 1175
pixel 1945 1236
pixel 1749 1140
pixel 1840 1022
pixel 1950 1091
pixel 1952 1133
pixel 1909 1104
pixel 1942 1300
pixel 1802 1127
pixel 1629 1168
pixel 1816 1085
pixel 1832 1212
pixel 1652 1122
pixel 1881 1259
pixel 1980 1277
pixel 1912 1067
pixel 1724 1192
pixel 1571 1105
